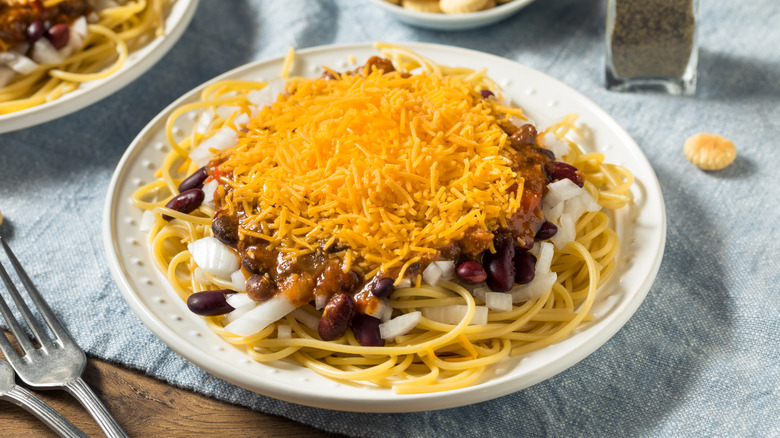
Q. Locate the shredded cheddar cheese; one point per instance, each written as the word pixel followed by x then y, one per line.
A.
pixel 382 171
pixel 390 165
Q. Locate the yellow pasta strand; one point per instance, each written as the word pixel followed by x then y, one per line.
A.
pixel 432 356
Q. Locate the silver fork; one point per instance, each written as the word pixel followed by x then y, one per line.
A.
pixel 57 363
pixel 19 396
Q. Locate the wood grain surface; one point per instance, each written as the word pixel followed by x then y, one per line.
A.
pixel 146 407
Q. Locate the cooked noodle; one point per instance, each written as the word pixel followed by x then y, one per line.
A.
pixel 433 356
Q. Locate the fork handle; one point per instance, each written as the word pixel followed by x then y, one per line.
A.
pixel 27 400
pixel 79 389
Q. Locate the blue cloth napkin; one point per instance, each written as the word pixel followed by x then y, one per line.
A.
pixel 699 358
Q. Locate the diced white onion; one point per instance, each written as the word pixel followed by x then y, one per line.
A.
pixel 6 74
pixel 214 257
pixel 75 42
pixel 517 121
pixel 544 258
pixel 432 274
pixel 204 121
pixel 208 191
pixel 147 221
pixel 535 289
pixel 239 310
pixel 588 201
pixel 268 95
pixel 479 293
pixel 239 281
pixel 574 207
pixel 45 53
pixel 404 283
pixel 568 224
pixel 387 314
pixel 238 300
pixel 566 231
pixel 223 139
pixel 399 325
pixel 552 211
pixel 261 316
pixel 561 190
pixel 320 300
pixel 18 62
pixel 454 314
pixel 447 269
pixel 380 309
pixel 241 119
pixel 565 197
pixel 283 331
pixel 499 301
pixel 306 318
pixel 200 277
pixel 80 26
pixel 556 145
pixel 226 111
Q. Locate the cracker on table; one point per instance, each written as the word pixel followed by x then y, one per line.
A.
pixel 710 151
pixel 462 6
pixel 422 5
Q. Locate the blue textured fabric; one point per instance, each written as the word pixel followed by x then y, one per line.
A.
pixel 700 357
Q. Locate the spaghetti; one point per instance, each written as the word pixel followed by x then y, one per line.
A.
pixel 49 48
pixel 394 225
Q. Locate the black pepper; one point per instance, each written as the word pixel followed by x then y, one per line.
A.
pixel 651 37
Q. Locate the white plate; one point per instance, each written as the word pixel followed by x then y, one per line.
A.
pixel 642 230
pixel 470 20
pixel 88 93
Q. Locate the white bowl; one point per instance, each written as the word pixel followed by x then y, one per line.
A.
pixel 469 20
pixel 137 63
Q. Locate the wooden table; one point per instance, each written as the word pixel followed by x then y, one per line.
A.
pixel 146 407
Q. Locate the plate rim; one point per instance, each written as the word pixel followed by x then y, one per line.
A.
pixel 138 63
pixel 469 20
pixel 398 403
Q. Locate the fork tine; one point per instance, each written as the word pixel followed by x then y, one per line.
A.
pixel 35 327
pixel 13 324
pixel 11 356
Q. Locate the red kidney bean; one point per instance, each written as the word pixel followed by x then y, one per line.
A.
pixel 185 202
pixel 252 265
pixel 499 266
pixel 471 272
pixel 546 152
pixel 194 181
pixel 349 281
pixel 486 93
pixel 382 287
pixel 547 230
pixel 336 317
pixel 525 135
pixel 225 228
pixel 260 287
pixel 366 330
pixel 59 35
pixel 210 303
pixel 525 262
pixel 557 170
pixel 524 243
pixel 35 31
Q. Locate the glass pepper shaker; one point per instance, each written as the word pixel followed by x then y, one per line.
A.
pixel 652 45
